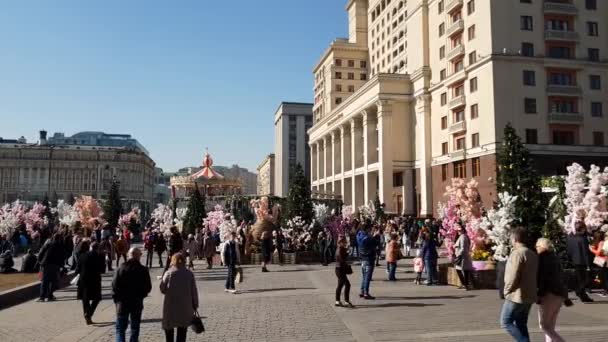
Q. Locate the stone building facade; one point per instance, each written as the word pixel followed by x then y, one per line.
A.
pixel 266 176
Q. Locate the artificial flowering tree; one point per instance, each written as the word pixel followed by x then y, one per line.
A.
pixel 498 225
pixel 516 175
pixel 585 197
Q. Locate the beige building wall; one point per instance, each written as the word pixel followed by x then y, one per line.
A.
pixel 463 65
pixel 266 177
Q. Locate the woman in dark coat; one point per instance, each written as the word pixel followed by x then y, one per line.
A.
pixel 267 250
pixel 90 267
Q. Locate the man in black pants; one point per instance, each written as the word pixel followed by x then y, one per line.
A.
pixel 578 252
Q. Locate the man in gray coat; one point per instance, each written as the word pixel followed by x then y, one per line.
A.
pixel 520 288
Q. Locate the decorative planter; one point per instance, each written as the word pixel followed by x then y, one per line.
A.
pixel 485 279
pixel 479 265
pixel 490 265
pixel 288 258
pixel 256 258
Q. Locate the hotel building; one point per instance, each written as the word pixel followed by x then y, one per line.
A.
pixel 421 91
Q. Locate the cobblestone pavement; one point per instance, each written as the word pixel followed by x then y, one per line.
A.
pixel 295 303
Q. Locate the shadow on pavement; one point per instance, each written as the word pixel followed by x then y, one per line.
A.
pixel 277 289
pixel 426 297
pixel 394 305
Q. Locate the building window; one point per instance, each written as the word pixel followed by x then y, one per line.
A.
pixel 527 49
pixel 338 75
pixel 529 78
pixel 563 52
pixel 398 179
pixel 363 77
pixel 475 167
pixel 458 116
pixel 596 109
pixel 351 63
pixel 531 136
pixel 592 29
pixel 472 57
pixel 441 29
pixel 595 82
pixel 338 87
pixel 444 99
pixel 470 7
pixel 444 172
pixel 444 148
pixel 351 88
pixel 442 52
pixel 598 138
pixel 363 64
pixel 474 111
pixel 458 65
pixel 562 137
pixel 473 84
pixel 526 1
pixel 338 100
pixel 351 75
pixel 338 62
pixel 475 140
pixel 460 169
pixel 444 122
pixel 593 54
pixel 530 106
pixel 526 23
pixel 460 142
pixel 440 7
pixel 591 4
pixel 471 32
pixel 442 75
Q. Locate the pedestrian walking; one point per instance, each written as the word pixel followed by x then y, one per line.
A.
pixel 131 284
pixel 230 259
pixel 181 299
pixel 577 246
pixel 343 269
pixel 462 258
pixel 107 249
pixel 392 252
pixel 599 248
pixel 418 267
pixel 267 250
pixel 279 241
pixel 90 268
pixel 191 249
pixel 149 247
pixel 121 247
pixel 51 260
pixel 552 292
pixel 176 245
pixel 160 246
pixel 367 249
pixel 209 249
pixel 520 287
pixel 430 256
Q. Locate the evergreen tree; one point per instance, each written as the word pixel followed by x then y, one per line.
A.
pixel 112 208
pixel 195 214
pixel 71 200
pixel 299 202
pixel 517 176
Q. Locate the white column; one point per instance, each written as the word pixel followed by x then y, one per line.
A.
pixel 325 163
pixel 317 166
pixel 312 164
pixel 409 193
pixel 352 160
pixel 342 163
pixel 423 117
pixel 364 122
pixel 333 155
pixel 385 159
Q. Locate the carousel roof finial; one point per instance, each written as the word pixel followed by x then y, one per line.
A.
pixel 207 170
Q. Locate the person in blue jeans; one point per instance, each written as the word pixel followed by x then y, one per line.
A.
pixel 429 254
pixel 131 284
pixel 520 288
pixel 367 251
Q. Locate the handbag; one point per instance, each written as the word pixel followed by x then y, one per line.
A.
pixel 348 269
pixel 197 323
pixel 600 261
pixel 458 260
pixel 239 275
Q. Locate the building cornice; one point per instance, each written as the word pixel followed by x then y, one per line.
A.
pixel 340 44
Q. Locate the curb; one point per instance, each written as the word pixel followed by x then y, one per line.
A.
pixel 27 292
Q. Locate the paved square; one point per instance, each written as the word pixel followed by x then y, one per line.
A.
pixel 295 303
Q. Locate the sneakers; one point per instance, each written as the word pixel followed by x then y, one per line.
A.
pixel 368 297
pixel 40 300
pixel 338 303
pixel 52 299
pixel 349 305
pixel 603 294
pixel 233 291
pixel 226 290
pixel 361 295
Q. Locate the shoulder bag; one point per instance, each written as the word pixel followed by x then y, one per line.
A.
pixel 197 323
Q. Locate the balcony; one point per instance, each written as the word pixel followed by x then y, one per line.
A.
pixel 457 102
pixel 560 89
pixel 456 52
pixel 458 154
pixel 453 4
pixel 565 36
pixel 455 77
pixel 458 127
pixel 565 118
pixel 560 8
pixel 456 27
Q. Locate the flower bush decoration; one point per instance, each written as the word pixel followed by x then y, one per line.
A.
pixel 34 218
pixel 227 226
pixel 450 226
pixel 497 225
pixel 594 201
pixel 480 255
pixel 180 215
pixel 215 218
pixel 347 213
pixel 367 212
pixel 89 210
pixel 322 213
pixel 162 217
pixel 583 204
pixel 128 218
pixel 67 214
pixel 11 217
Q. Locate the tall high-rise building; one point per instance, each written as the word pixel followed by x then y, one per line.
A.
pixel 421 91
pixel 291 123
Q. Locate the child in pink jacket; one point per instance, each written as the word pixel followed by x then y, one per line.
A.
pixel 418 267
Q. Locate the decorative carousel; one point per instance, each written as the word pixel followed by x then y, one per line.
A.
pixel 208 181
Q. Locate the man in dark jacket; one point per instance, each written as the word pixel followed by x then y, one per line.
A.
pixel 131 284
pixel 176 245
pixel 51 259
pixel 578 252
pixel 90 267
pixel 367 251
pixel 29 262
pixel 231 260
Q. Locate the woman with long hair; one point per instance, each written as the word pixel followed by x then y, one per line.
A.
pixel 181 299
pixel 343 269
pixel 462 258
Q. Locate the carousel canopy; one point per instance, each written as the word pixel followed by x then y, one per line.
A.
pixel 207 172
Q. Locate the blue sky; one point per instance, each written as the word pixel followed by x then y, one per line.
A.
pixel 177 75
